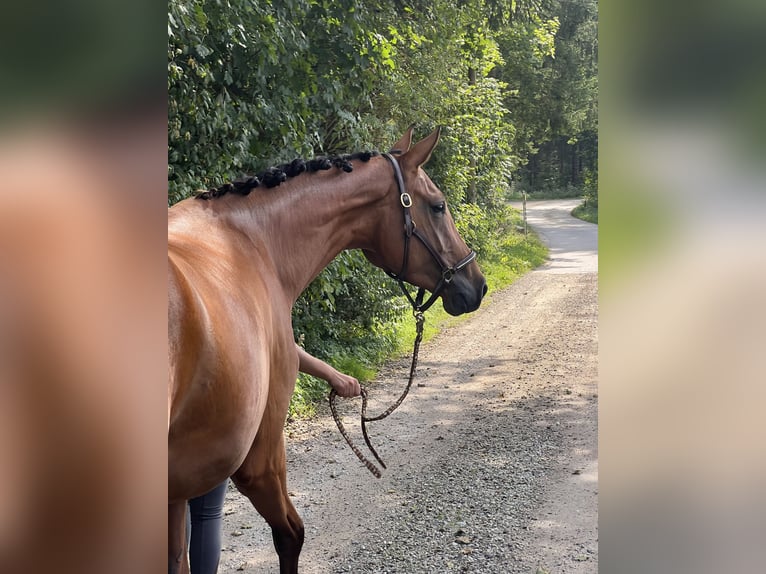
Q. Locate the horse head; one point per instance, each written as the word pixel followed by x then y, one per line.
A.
pixel 417 240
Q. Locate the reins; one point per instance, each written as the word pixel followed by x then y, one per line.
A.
pixel 418 310
pixel 419 321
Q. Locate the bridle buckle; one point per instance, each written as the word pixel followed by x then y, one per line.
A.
pixel 405 199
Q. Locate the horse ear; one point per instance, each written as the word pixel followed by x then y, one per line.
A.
pixel 420 153
pixel 404 143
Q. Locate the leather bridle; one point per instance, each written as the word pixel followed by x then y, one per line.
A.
pixel 418 308
pixel 410 230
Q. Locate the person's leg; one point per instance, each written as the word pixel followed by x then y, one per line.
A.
pixel 206 522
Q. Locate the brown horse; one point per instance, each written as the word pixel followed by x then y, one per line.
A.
pixel 236 264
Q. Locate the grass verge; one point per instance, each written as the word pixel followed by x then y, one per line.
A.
pixel 586 213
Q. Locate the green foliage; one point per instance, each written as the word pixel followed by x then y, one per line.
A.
pixel 586 212
pixel 513 253
pixel 552 73
pixel 475 159
pixel 343 306
pixel 253 84
pixel 590 185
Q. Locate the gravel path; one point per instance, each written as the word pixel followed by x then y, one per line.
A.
pixel 492 459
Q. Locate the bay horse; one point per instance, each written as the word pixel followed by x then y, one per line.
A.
pixel 237 262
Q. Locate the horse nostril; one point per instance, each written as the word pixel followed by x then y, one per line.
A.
pixel 484 290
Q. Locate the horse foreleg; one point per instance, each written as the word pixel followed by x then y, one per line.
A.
pixel 263 479
pixel 178 562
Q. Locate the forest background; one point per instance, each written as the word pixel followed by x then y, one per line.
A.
pixel 513 84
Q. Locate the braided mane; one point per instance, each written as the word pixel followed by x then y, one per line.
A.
pixel 273 176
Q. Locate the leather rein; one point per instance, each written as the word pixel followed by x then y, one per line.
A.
pixel 418 309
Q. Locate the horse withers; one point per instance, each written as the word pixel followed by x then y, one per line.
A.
pixel 237 262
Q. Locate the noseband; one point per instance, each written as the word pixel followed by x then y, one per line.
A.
pixel 410 229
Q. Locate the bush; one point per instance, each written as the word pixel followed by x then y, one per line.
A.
pixel 341 311
pixel 591 188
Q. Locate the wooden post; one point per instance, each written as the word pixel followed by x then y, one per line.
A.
pixel 524 212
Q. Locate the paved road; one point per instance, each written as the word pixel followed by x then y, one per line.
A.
pixel 573 243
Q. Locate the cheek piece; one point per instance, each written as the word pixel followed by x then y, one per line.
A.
pixel 410 230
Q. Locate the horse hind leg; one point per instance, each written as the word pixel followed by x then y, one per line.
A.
pixel 178 562
pixel 263 479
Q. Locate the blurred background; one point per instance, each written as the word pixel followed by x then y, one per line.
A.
pixel 83 196
pixel 683 275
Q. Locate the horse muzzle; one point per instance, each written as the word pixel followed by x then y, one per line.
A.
pixel 463 295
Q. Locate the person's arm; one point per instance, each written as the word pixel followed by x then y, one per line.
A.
pixel 345 385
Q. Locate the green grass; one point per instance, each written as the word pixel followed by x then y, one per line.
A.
pixel 513 255
pixel 586 213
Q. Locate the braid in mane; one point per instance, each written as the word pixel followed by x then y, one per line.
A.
pixel 273 176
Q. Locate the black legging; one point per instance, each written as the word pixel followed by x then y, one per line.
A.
pixel 206 513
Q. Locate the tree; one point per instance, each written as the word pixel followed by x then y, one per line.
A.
pixel 553 71
pixel 253 84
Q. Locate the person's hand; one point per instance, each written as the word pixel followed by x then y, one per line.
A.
pixel 345 385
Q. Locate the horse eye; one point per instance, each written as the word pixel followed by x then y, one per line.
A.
pixel 439 207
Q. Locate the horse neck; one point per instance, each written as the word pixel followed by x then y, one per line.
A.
pixel 305 222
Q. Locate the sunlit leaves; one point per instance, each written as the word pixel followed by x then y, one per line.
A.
pixel 252 84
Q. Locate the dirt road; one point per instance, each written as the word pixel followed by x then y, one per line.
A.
pixel 492 459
